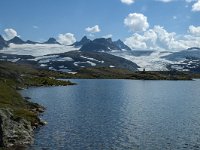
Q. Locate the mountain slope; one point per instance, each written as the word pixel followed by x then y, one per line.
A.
pixel 3 43
pixel 191 52
pixel 16 40
pixel 82 42
pixel 187 60
pixel 73 61
pixel 121 45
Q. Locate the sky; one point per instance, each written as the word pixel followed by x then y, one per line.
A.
pixel 141 24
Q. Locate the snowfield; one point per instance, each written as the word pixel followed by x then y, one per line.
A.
pixel 37 49
pixel 152 62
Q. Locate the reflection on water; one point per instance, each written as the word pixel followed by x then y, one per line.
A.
pixel 119 114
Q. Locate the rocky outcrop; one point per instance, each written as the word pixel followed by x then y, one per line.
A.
pixel 14 131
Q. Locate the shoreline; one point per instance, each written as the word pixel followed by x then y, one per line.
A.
pixel 18 115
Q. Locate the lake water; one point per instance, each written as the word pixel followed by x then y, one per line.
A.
pixel 119 114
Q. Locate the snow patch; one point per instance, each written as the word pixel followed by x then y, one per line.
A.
pixel 91 63
pixel 43 65
pixel 92 59
pixel 112 66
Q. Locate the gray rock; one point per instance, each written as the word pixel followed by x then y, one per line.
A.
pixel 14 131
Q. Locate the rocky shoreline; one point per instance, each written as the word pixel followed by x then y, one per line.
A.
pixel 18 115
pixel 17 131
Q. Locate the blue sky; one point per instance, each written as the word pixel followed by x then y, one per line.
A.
pixel 41 19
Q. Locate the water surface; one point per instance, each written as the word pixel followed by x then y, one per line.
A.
pixel 119 114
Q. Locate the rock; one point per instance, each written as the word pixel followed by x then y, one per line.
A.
pixel 27 98
pixel 14 131
pixel 42 122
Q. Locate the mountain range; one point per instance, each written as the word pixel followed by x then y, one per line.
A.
pixel 100 52
pixel 18 40
pixel 99 44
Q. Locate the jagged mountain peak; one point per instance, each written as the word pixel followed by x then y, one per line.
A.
pixel 121 45
pixel 16 40
pixel 83 41
pixel 84 38
pixel 100 44
pixel 51 40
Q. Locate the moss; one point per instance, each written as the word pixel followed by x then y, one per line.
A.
pixel 13 76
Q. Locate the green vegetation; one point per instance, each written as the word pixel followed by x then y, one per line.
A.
pixel 18 76
pixel 10 98
pixel 114 73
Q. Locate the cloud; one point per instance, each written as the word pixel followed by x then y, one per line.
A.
pixel 128 2
pixel 158 38
pixel 189 1
pixel 9 34
pixel 196 6
pixel 174 17
pixel 136 22
pixel 194 30
pixel 35 27
pixel 108 36
pixel 66 39
pixel 94 29
pixel 165 1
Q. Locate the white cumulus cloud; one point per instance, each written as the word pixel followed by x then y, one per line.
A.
pixel 136 22
pixel 9 33
pixel 66 39
pixel 128 2
pixel 196 6
pixel 194 30
pixel 189 1
pixel 159 38
pixel 94 29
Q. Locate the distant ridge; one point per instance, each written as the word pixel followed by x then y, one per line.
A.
pixel 100 44
pixel 31 42
pixel 51 41
pixel 194 48
pixel 16 40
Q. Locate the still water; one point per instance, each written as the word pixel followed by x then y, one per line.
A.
pixel 119 114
